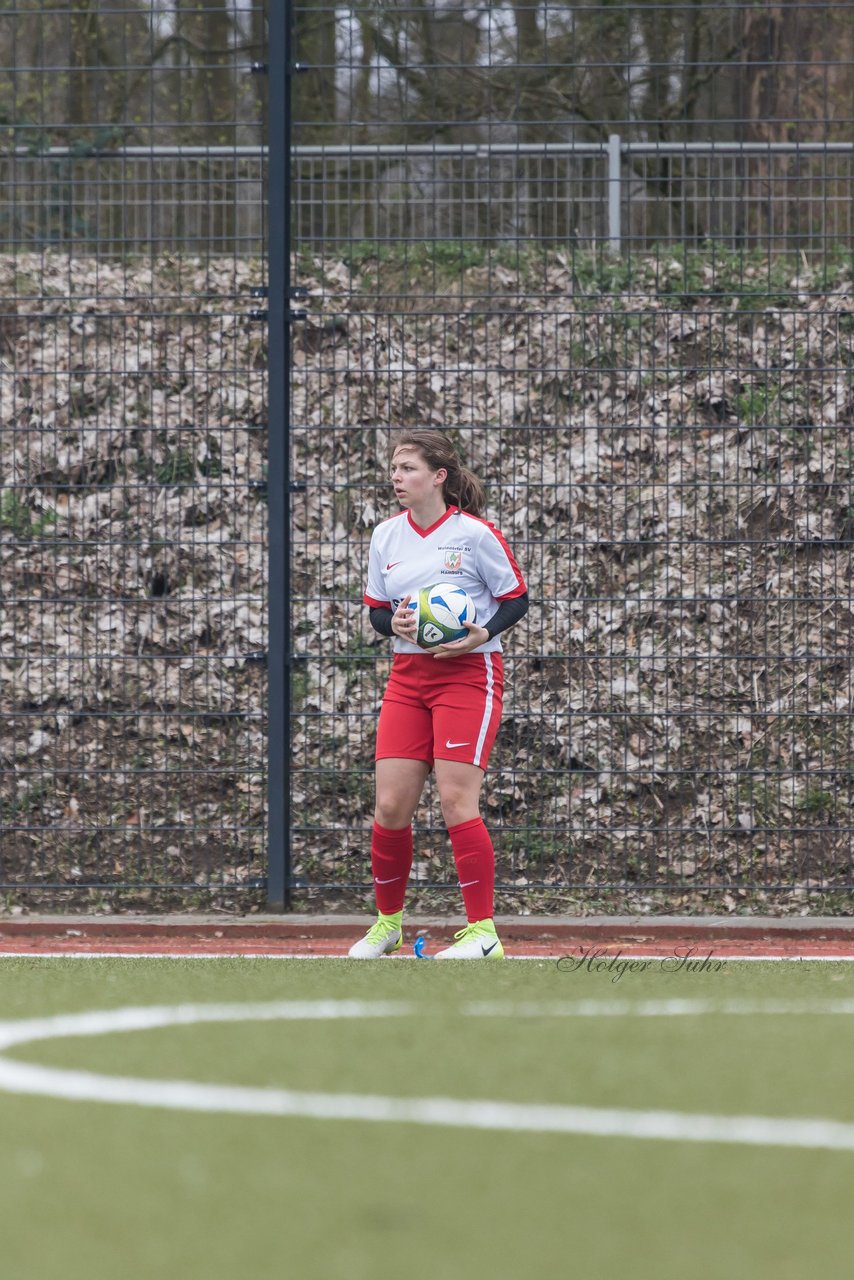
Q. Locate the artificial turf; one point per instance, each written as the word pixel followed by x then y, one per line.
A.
pixel 112 1192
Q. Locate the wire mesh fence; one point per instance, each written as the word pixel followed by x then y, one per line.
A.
pixel 156 199
pixel 132 453
pixel 608 248
pixel 770 196
pixel 776 197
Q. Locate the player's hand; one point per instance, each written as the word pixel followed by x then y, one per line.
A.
pixel 455 648
pixel 404 622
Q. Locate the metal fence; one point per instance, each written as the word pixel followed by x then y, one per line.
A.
pixel 133 598
pixel 629 195
pixel 162 199
pixel 637 325
pixel 609 249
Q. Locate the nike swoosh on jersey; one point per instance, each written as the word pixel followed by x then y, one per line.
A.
pixel 393 566
pixel 450 745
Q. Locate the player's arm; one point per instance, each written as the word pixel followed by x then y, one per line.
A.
pixel 400 622
pixel 381 616
pixel 508 612
pixel 497 567
pixel 384 617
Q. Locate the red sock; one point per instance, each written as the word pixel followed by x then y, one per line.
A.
pixel 391 862
pixel 475 859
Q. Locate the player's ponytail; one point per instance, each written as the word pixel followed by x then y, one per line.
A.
pixel 462 488
pixel 469 495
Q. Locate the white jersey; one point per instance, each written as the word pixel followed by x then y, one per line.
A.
pixel 458 548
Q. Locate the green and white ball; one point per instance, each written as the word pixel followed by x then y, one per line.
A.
pixel 442 610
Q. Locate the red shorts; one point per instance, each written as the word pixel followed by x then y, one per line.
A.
pixel 441 710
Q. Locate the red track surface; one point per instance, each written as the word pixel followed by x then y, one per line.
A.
pixel 586 940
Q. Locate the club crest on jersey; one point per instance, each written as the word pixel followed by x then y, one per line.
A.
pixel 453 560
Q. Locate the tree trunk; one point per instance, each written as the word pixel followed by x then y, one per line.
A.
pixel 208 98
pixel 315 111
pixel 82 54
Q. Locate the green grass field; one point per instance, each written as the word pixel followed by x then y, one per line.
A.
pixel 115 1191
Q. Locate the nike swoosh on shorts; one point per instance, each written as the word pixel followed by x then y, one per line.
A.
pixel 451 745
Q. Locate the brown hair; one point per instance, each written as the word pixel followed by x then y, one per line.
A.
pixel 461 488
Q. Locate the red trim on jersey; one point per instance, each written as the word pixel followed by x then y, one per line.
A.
pixel 514 594
pixel 520 589
pixel 376 604
pixel 425 533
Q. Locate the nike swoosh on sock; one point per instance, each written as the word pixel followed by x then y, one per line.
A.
pixel 467 883
pixel 391 880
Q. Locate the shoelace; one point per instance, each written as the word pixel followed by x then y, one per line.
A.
pixel 380 931
pixel 471 931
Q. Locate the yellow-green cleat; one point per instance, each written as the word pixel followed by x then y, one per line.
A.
pixel 382 939
pixel 477 941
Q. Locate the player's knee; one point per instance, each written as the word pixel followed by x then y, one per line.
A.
pixel 457 807
pixel 391 813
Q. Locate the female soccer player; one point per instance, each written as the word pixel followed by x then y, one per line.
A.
pixel 441 706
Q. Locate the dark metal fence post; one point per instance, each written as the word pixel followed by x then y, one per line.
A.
pixel 278 456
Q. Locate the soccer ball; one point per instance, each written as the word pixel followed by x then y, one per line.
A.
pixel 442 610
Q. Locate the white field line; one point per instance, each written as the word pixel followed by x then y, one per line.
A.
pixel 101 1022
pixel 26 1078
